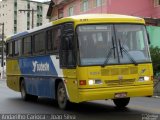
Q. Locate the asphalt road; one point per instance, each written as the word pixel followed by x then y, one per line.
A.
pixel 11 105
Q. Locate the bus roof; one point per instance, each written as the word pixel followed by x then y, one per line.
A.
pixel 86 18
pixel 29 31
pixel 93 18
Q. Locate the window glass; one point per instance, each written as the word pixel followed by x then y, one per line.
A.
pixel 156 3
pixel 17 49
pixel 133 43
pixel 39 42
pixel 27 45
pixel 56 37
pixel 67 53
pixel 10 49
pixel 84 5
pixel 71 11
pixel 49 40
pixel 98 3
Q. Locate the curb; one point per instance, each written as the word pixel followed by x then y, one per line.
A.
pixel 156 97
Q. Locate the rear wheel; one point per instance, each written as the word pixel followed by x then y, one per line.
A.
pixel 62 96
pixel 24 94
pixel 122 102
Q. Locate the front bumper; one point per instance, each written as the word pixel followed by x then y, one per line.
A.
pixel 109 93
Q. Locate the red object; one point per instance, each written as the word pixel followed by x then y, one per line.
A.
pixel 82 82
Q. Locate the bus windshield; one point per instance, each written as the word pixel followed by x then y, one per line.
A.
pixel 106 44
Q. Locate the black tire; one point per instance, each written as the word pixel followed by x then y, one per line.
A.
pixel 24 94
pixel 122 102
pixel 62 96
pixel 33 98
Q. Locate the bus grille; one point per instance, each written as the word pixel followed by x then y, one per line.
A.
pixel 119 71
pixel 120 82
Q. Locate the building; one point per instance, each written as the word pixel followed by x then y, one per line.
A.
pixel 147 9
pixel 17 21
pixel 142 8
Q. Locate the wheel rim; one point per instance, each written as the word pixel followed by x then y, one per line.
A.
pixel 61 95
pixel 23 93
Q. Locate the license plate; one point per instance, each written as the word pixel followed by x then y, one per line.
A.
pixel 120 95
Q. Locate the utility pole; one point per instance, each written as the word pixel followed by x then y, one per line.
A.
pixel 2 55
pixel 30 11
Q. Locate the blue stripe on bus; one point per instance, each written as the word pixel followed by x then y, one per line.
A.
pixel 40 86
pixel 38 73
pixel 39 66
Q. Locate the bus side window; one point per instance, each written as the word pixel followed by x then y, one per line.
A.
pixel 9 49
pixel 49 40
pixel 56 33
pixel 27 46
pixel 17 48
pixel 39 43
pixel 67 53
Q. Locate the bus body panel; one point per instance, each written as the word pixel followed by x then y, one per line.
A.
pixel 13 74
pixel 115 75
pixel 111 82
pixel 40 86
pixel 39 74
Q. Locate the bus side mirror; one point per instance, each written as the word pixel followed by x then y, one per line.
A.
pixel 149 42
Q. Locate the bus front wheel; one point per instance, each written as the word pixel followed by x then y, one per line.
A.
pixel 62 96
pixel 122 102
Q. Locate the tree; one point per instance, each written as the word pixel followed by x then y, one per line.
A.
pixel 155 55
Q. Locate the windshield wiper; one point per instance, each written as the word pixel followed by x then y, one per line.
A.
pixel 109 53
pixel 122 49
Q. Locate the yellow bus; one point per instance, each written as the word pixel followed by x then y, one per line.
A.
pixel 82 58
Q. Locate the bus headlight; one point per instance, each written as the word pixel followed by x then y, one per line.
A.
pixel 95 82
pixel 91 82
pixel 142 79
pixel 146 78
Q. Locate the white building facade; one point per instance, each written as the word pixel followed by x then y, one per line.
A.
pixel 16 21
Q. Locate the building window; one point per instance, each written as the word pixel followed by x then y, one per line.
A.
pixel 70 11
pixel 15 4
pixel 15 30
pixel 156 3
pixel 60 13
pixel 15 13
pixel 28 5
pixel 98 3
pixel 28 25
pixel 84 6
pixel 28 14
pixel 15 22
